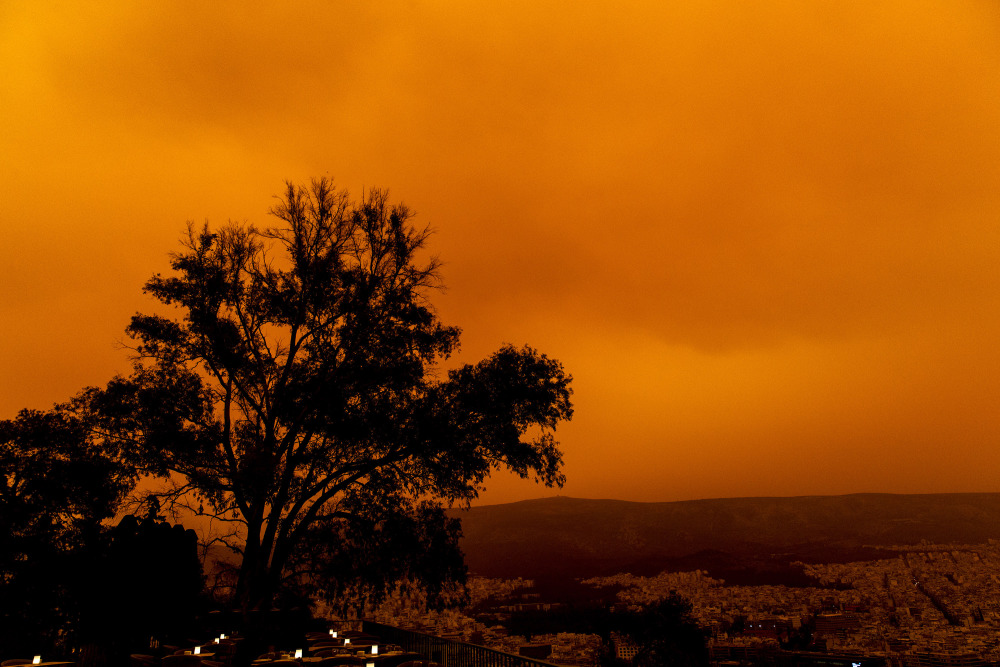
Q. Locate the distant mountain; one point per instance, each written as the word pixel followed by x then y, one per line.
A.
pixel 578 537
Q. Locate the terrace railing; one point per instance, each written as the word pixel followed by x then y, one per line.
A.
pixel 448 652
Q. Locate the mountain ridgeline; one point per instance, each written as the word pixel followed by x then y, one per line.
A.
pixel 742 540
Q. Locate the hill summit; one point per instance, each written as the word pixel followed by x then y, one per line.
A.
pixel 581 537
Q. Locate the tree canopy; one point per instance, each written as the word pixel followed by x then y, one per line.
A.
pixel 292 390
pixel 57 486
pixel 665 633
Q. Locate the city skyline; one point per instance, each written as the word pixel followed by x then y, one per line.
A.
pixel 763 240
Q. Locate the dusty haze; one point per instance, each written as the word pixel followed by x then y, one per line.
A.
pixel 764 238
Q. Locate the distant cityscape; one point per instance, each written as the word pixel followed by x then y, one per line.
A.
pixel 925 604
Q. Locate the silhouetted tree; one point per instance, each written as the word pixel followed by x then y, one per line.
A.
pixel 145 580
pixel 296 395
pixel 58 486
pixel 665 633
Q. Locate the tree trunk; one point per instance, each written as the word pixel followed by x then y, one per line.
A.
pixel 248 585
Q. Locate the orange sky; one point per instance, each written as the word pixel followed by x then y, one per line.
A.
pixel 763 237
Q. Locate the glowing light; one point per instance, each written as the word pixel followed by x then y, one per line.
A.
pixel 347 640
pixel 298 653
pixel 197 649
pixel 374 649
pixel 37 660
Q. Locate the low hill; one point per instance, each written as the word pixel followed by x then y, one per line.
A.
pixel 579 537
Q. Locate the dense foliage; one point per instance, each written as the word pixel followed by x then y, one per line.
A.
pixel 144 581
pixel 58 485
pixel 663 632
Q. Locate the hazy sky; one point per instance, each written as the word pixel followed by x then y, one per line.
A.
pixel 763 237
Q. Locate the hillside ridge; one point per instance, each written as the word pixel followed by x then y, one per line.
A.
pixel 584 537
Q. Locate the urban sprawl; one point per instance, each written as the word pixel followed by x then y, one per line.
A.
pixel 926 604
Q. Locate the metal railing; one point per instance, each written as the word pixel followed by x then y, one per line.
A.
pixel 448 652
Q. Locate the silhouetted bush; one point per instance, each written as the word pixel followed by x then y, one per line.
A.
pixel 146 583
pixel 57 487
